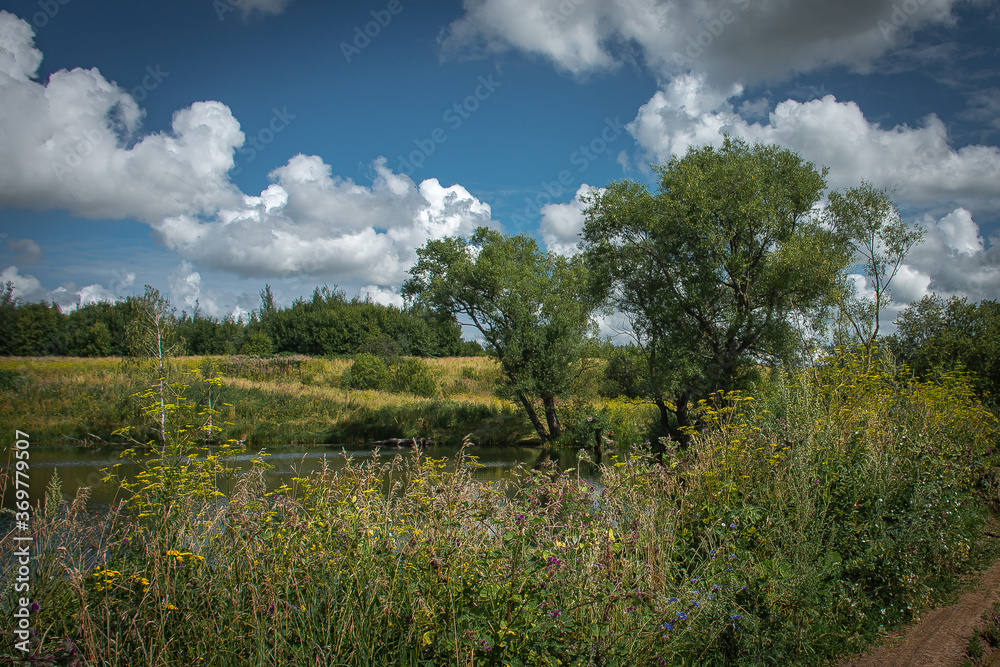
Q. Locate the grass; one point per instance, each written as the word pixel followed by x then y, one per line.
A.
pixel 805 519
pixel 283 400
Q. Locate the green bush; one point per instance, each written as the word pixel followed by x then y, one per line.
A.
pixel 397 375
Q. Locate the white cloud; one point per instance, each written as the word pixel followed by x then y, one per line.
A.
pixel 955 257
pixel 382 296
pixel 68 297
pixel 71 143
pixel 27 288
pixel 730 40
pixel 74 143
pixel 917 161
pixel 26 249
pixel 561 224
pixel 310 222
pixel 95 294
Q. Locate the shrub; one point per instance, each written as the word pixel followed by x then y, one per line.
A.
pixel 398 375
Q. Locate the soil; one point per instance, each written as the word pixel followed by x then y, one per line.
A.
pixel 941 637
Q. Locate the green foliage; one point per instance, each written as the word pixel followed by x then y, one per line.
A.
pixel 257 344
pixel 11 380
pixel 985 642
pixel 532 308
pixel 396 374
pixel 803 521
pixel 624 374
pixel 328 324
pixel 712 268
pixel 934 336
pixel 853 492
pixel 866 218
pixel 368 372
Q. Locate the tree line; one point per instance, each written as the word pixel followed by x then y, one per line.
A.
pixel 731 265
pixel 327 324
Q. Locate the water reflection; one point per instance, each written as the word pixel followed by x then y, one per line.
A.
pixel 82 466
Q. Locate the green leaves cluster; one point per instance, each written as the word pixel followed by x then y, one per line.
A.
pixel 531 307
pixel 394 374
pixel 934 336
pixel 869 223
pixel 713 268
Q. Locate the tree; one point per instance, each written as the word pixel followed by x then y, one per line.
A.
pixel 935 335
pixel 8 318
pixel 711 268
pixel 40 330
pixel 532 308
pixel 152 340
pixel 867 219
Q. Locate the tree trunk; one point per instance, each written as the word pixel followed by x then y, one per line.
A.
pixel 683 437
pixel 676 433
pixel 533 417
pixel 555 428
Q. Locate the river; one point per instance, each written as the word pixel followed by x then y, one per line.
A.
pixel 83 466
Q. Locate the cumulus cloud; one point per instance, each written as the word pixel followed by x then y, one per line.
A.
pixel 730 40
pixel 74 142
pixel 71 143
pixel 26 249
pixel 953 259
pixel 27 288
pixel 310 222
pixel 187 292
pixel 383 296
pixel 918 162
pixel 68 297
pixel 561 224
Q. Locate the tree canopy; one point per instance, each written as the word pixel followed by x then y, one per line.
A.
pixel 867 219
pixel 711 268
pixel 935 335
pixel 532 308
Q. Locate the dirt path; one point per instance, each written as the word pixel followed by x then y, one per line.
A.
pixel 941 637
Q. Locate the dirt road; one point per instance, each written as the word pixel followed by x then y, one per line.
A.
pixel 941 637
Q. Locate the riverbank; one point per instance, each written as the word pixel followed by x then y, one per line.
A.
pixel 282 400
pixel 801 524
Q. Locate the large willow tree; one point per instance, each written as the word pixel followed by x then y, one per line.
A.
pixel 533 309
pixel 715 267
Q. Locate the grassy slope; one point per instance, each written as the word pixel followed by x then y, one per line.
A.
pixel 289 400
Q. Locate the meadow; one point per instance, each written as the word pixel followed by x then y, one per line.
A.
pixel 807 516
pixel 285 400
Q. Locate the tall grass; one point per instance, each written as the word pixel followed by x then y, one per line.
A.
pixel 280 400
pixel 802 521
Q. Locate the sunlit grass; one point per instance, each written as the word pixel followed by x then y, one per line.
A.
pixel 806 518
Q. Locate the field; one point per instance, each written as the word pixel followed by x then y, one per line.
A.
pixel 281 400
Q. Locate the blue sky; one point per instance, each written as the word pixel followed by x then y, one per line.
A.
pixel 208 148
